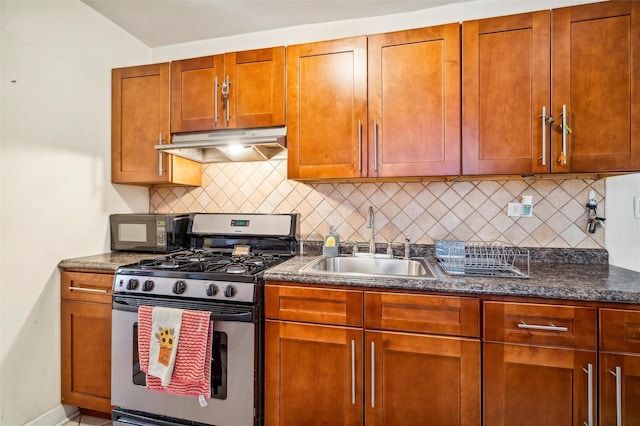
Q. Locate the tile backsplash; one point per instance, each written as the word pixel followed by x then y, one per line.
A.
pixel 424 211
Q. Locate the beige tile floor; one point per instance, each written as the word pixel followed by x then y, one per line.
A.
pixel 84 420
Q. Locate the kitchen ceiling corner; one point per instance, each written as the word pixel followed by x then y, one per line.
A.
pixel 159 23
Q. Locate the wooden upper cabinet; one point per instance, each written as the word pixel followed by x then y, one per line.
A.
pixel 234 90
pixel 518 91
pixel 139 121
pixel 505 74
pixel 595 76
pixel 256 87
pixel 327 109
pixel 196 101
pixel 414 102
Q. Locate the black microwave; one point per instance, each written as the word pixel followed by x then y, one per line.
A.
pixel 151 233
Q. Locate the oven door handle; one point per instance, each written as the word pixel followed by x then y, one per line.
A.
pixel 215 316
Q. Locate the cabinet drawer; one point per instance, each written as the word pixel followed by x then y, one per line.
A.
pixel 88 287
pixel 315 305
pixel 538 324
pixel 620 330
pixel 423 313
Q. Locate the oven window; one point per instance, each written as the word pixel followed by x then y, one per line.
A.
pixel 218 364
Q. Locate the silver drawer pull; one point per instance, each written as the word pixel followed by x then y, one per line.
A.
pixel 618 375
pixel 373 375
pixel 353 372
pixel 89 290
pixel 589 371
pixel 551 327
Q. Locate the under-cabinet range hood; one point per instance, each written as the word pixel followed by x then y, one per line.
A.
pixel 229 145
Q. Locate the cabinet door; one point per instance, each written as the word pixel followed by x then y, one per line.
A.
pixel 313 374
pixel 86 340
pixel 139 121
pixel 505 80
pixel 86 355
pixel 256 89
pixel 532 386
pixel 196 94
pixel 414 102
pixel 420 379
pixel 327 109
pixel 595 75
pixel 619 389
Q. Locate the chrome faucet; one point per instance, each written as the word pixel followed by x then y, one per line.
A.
pixel 407 247
pixel 372 242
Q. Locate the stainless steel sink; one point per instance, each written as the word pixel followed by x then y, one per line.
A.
pixel 370 266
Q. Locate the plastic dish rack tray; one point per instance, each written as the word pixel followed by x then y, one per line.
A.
pixel 485 259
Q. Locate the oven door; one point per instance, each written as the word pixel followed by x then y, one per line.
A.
pixel 234 395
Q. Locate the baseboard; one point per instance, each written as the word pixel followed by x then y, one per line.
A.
pixel 58 416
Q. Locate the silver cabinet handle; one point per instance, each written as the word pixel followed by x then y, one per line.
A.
pixel 89 290
pixel 589 371
pixel 226 87
pixel 373 374
pixel 618 375
pixel 160 155
pixel 563 154
pixel 551 327
pixel 215 99
pixel 544 135
pixel 359 145
pixel 375 144
pixel 353 372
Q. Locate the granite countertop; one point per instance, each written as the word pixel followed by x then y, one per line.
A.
pixel 597 282
pixel 105 261
pixel 585 282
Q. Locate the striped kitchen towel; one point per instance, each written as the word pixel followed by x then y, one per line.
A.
pixel 192 369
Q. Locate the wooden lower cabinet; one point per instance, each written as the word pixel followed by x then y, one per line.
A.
pixel 619 367
pixel 414 379
pixel 86 340
pixel 533 385
pixel 539 364
pixel 344 373
pixel 313 374
pixel 619 389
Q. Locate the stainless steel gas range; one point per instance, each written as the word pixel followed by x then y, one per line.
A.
pixel 220 274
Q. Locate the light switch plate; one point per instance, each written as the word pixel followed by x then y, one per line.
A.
pixel 514 209
pixel 636 206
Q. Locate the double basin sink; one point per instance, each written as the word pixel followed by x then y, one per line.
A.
pixel 371 266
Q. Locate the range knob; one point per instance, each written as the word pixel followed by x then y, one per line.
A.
pixel 229 291
pixel 132 284
pixel 179 287
pixel 147 285
pixel 212 290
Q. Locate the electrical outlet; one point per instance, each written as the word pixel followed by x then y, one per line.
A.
pixel 636 206
pixel 514 209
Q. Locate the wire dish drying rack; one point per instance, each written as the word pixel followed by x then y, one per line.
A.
pixel 485 259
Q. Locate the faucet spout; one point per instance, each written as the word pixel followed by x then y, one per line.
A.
pixel 372 242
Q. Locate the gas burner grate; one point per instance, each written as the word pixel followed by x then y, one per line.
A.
pixel 200 260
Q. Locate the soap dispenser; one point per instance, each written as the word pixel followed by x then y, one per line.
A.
pixel 331 247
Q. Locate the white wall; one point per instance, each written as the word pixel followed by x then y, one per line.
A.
pixel 55 185
pixel 622 238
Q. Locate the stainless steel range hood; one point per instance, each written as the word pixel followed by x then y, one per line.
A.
pixel 229 145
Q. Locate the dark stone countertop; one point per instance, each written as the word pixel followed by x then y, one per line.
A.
pixel 105 261
pixel 596 282
pixel 569 281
